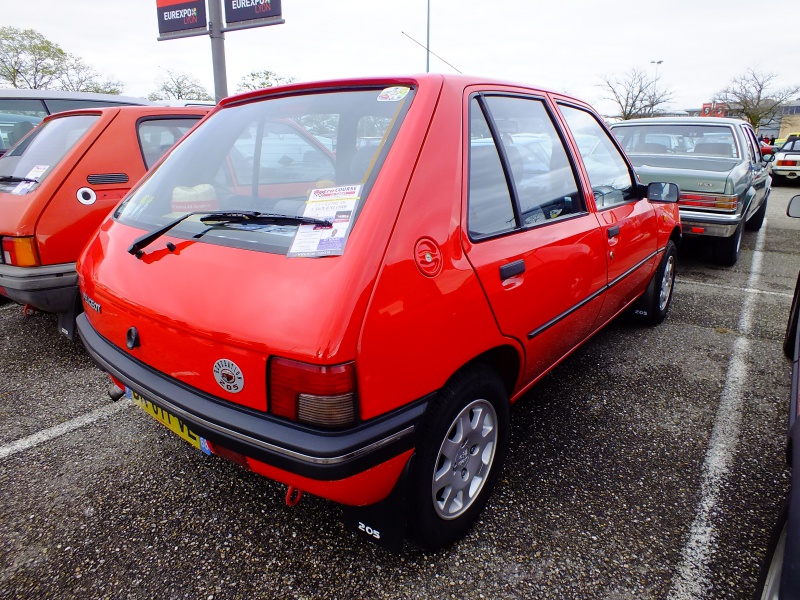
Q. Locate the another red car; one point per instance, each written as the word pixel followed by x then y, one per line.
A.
pixel 355 319
pixel 57 185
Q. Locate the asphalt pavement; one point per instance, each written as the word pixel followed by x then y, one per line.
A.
pixel 649 464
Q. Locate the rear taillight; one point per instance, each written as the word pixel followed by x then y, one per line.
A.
pixel 786 163
pixel 20 251
pixel 323 396
pixel 715 201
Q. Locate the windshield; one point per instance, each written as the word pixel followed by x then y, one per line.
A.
pixel 36 157
pixel 305 155
pixel 694 140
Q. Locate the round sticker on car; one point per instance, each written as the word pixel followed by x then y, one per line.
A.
pixel 228 375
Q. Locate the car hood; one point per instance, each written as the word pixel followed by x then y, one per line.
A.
pixel 202 303
pixel 690 173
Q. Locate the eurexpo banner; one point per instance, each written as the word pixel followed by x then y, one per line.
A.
pixel 249 10
pixel 180 15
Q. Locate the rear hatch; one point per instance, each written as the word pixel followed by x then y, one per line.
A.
pixel 232 252
pixel 695 174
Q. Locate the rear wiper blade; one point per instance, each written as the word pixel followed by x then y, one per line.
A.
pixel 257 217
pixel 13 179
pixel 222 216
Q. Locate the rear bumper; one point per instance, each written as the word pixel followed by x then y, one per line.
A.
pixel 788 172
pixel 303 451
pixel 50 288
pixel 709 224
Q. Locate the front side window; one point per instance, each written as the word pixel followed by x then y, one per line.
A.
pixel 34 159
pixel 300 166
pixel 519 173
pixel 608 171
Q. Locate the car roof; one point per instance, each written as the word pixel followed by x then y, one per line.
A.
pixel 14 93
pixel 678 121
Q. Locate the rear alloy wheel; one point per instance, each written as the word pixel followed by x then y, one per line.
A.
pixel 463 443
pixel 727 250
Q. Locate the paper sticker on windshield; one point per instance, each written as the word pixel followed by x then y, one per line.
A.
pixel 335 206
pixel 23 188
pixel 393 94
pixel 37 171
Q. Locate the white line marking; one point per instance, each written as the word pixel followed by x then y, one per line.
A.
pixel 747 290
pixel 692 579
pixel 53 432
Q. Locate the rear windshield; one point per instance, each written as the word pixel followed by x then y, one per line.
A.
pixel 695 140
pixel 302 156
pixel 31 161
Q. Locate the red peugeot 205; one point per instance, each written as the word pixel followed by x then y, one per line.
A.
pixel 344 285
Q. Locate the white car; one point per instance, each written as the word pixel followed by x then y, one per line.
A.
pixel 787 161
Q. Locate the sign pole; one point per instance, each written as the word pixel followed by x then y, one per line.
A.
pixel 218 50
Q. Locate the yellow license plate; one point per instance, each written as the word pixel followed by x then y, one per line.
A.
pixel 170 421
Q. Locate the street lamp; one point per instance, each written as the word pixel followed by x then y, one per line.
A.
pixel 655 83
pixel 428 42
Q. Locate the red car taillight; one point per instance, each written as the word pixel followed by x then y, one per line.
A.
pixel 323 396
pixel 20 251
pixel 717 201
pixel 786 163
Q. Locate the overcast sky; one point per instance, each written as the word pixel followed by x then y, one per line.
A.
pixel 564 45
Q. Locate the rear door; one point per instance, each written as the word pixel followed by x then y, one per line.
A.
pixel 628 220
pixel 758 168
pixel 538 251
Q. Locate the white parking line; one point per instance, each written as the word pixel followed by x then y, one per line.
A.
pixel 748 290
pixel 53 432
pixel 692 579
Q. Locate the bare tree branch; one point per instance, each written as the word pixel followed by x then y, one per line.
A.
pixel 749 97
pixel 635 94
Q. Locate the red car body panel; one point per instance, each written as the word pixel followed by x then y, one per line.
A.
pixel 407 330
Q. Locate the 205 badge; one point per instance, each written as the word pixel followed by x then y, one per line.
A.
pixel 228 375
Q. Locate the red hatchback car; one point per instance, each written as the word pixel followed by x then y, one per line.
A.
pixel 344 285
pixel 59 183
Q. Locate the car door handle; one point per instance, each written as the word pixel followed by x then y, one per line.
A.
pixel 613 231
pixel 515 268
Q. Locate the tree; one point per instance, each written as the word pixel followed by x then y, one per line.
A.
pixel 636 95
pixel 28 59
pixel 257 80
pixel 179 86
pixel 77 76
pixel 749 97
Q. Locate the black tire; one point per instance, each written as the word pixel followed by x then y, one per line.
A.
pixel 463 442
pixel 791 324
pixel 664 284
pixel 757 220
pixel 727 249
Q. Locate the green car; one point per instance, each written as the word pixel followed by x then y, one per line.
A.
pixel 717 163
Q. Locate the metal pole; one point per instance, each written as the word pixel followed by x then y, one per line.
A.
pixel 428 42
pixel 218 49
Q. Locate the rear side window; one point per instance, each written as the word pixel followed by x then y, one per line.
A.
pixel 30 107
pixel 519 173
pixel 31 161
pixel 156 136
pixel 611 179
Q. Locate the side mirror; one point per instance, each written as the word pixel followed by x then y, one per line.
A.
pixel 663 192
pixel 768 158
pixel 793 210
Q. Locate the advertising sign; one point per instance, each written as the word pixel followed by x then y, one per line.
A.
pixel 237 11
pixel 180 15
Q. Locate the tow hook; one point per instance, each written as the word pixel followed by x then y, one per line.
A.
pixel 28 310
pixel 293 496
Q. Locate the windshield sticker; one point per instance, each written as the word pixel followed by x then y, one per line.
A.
pixel 284 230
pixel 393 94
pixel 335 205
pixel 37 171
pixel 23 187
